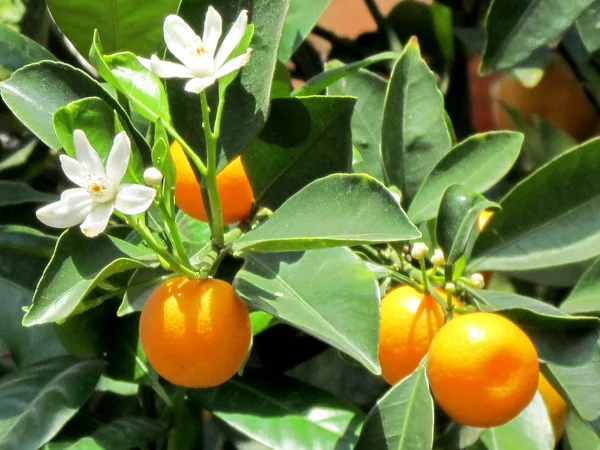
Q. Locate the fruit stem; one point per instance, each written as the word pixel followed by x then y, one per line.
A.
pixel 425 280
pixel 173 234
pixel 215 214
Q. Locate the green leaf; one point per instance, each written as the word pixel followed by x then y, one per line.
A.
pixel 18 51
pixel 39 400
pixel 319 83
pixel 530 430
pixel 369 89
pixel 578 385
pixel 260 321
pixel 414 132
pixel 557 336
pixel 304 139
pixel 585 296
pixel 77 266
pixel 280 412
pixel 248 97
pixel 338 210
pixel 477 163
pixel 125 25
pixel 457 218
pixel 36 91
pixel 300 20
pixel 402 418
pixel 282 82
pixel 587 25
pixel 579 435
pixel 515 28
pixel 17 193
pixel 329 294
pixel 560 226
pixel 141 284
pixel 140 86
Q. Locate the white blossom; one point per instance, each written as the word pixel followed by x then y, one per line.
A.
pixel 438 258
pixel 201 60
pixel 100 191
pixel 419 251
pixel 477 281
pixel 153 177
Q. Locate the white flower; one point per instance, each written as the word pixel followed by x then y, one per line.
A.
pixel 419 250
pixel 153 177
pixel 438 258
pixel 100 190
pixel 202 62
pixel 477 281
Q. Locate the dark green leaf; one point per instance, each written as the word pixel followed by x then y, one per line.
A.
pixel 477 163
pixel 587 25
pixel 338 210
pixel 18 51
pixel 402 419
pixel 370 91
pixel 585 296
pixel 560 226
pixel 457 219
pixel 17 193
pixel 122 434
pixel 38 400
pixel 282 82
pixel 414 132
pixel 301 18
pixel 284 413
pixel 515 28
pixel 77 266
pixel 304 139
pixel 141 284
pixel 124 25
pixel 330 294
pixel 557 336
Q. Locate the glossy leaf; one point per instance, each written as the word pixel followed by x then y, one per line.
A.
pixel 579 435
pixel 72 273
pixel 369 89
pixel 17 193
pixel 477 163
pixel 329 294
pixel 414 133
pixel 260 321
pixel 280 412
pixel 36 91
pixel 133 25
pixel 338 210
pixel 558 337
pixel 303 140
pixel 141 284
pixel 457 219
pixel 515 28
pixel 402 419
pixel 560 225
pixel 585 296
pixel 530 430
pixel 319 83
pixel 37 401
pixel 299 21
pixel 247 100
pixel 18 51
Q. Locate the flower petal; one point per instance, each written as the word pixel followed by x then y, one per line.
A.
pixel 181 40
pixel 66 212
pixel 213 27
pixel 73 170
pixel 197 85
pixel 232 39
pixel 118 158
pixel 233 64
pixel 96 221
pixel 144 62
pixel 86 155
pixel 166 69
pixel 134 198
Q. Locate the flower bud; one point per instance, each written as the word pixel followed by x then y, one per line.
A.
pixel 153 177
pixel 438 258
pixel 419 251
pixel 450 288
pixel 477 281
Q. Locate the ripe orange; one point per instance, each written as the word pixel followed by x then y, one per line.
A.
pixel 482 369
pixel 409 321
pixel 233 185
pixel 557 408
pixel 196 333
pixel 558 98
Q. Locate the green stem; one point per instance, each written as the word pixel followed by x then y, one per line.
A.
pixel 174 235
pixel 425 280
pixel 404 279
pixel 449 305
pixel 178 412
pixel 187 149
pixel 216 215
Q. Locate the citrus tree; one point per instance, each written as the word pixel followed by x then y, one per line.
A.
pixel 222 226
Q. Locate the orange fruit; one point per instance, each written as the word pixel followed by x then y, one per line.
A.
pixel 233 185
pixel 482 369
pixel 409 321
pixel 196 333
pixel 558 98
pixel 557 408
